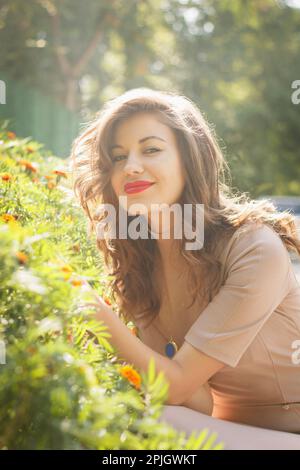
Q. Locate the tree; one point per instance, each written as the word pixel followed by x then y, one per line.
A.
pixel 242 59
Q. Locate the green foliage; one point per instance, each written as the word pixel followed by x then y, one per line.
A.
pixel 62 385
pixel 235 59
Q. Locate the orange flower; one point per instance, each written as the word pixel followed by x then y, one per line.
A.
pixel 22 257
pixel 49 177
pixel 131 375
pixel 31 349
pixel 11 135
pixel 107 301
pixel 77 282
pixel 35 180
pixel 60 173
pixel 28 165
pixel 70 337
pixel 51 185
pixel 6 176
pixel 66 269
pixel 8 218
pixel 29 149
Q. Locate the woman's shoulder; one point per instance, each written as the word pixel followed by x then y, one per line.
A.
pixel 256 242
pixel 257 234
pixel 249 239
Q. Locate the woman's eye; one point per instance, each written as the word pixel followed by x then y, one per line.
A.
pixel 117 158
pixel 153 148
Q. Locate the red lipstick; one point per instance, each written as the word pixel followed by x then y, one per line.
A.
pixel 137 186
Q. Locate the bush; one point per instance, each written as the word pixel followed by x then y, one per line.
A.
pixel 61 384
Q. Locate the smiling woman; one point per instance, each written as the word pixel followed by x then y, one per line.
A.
pixel 224 315
pixel 148 175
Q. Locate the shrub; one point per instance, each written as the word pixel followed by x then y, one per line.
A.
pixel 62 385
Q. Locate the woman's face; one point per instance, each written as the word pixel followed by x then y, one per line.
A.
pixel 145 149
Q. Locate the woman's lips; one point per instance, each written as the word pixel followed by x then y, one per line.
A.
pixel 137 188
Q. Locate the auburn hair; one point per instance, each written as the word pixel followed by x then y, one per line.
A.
pixel 130 263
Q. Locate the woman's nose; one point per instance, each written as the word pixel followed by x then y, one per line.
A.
pixel 133 165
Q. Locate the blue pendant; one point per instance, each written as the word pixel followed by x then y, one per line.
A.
pixel 170 348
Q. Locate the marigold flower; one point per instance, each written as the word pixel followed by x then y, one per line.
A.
pixel 49 177
pixel 66 269
pixel 70 337
pixel 60 173
pixel 28 165
pixel 131 375
pixel 22 257
pixel 8 218
pixel 11 135
pixel 107 301
pixel 6 176
pixel 29 149
pixel 51 185
pixel 31 349
pixel 77 282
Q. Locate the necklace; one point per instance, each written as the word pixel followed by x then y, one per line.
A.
pixel 170 347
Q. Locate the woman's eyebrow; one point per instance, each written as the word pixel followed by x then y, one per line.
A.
pixel 141 140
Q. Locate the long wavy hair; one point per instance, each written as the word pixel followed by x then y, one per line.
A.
pixel 130 263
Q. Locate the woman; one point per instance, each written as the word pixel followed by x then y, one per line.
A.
pixel 222 320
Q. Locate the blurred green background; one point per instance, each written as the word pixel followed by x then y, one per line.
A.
pixel 236 59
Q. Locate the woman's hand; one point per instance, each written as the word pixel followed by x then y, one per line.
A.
pixel 98 302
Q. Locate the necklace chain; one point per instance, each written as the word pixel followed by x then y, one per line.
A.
pixel 171 347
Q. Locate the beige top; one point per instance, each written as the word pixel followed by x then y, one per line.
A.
pixel 252 325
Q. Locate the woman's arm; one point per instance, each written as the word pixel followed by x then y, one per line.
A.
pixel 131 349
pixel 186 372
pixel 201 401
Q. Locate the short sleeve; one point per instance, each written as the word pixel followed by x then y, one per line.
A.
pixel 256 281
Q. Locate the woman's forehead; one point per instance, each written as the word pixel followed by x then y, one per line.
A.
pixel 138 127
